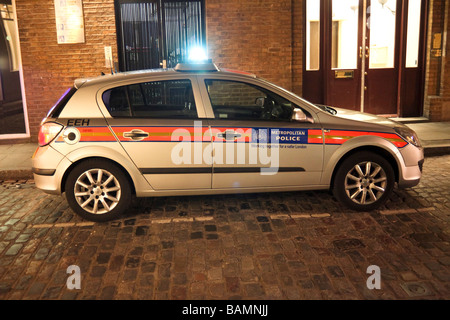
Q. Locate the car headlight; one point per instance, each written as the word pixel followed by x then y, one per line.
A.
pixel 409 135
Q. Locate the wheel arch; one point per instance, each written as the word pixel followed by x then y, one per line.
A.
pixel 79 161
pixel 371 148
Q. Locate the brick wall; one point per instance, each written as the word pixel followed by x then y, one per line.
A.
pixel 297 46
pixel 50 68
pixel 437 78
pixel 254 36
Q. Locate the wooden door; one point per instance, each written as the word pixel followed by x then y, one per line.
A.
pixel 366 55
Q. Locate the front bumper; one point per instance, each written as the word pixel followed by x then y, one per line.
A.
pixel 411 170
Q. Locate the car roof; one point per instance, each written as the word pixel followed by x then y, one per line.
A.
pixel 186 69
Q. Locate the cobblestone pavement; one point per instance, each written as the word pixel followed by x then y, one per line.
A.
pixel 294 245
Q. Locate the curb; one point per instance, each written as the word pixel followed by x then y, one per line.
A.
pixel 436 151
pixel 23 174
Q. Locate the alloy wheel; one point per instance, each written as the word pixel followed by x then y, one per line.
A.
pixel 365 183
pixel 97 191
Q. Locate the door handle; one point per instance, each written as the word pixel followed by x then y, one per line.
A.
pixel 229 135
pixel 136 135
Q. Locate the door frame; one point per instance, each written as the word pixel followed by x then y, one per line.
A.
pixel 423 39
pixel 316 85
pixel 26 134
pixel 162 50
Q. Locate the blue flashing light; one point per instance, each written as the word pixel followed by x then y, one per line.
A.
pixel 197 55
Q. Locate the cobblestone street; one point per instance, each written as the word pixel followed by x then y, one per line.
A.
pixel 294 245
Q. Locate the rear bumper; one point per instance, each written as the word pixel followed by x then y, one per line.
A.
pixel 48 169
pixel 43 172
pixel 48 184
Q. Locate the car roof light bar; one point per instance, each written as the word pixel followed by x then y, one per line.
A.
pixel 203 66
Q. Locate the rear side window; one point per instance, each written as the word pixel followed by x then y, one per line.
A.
pixel 55 111
pixel 157 99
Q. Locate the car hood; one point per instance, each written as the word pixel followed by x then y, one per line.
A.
pixel 366 117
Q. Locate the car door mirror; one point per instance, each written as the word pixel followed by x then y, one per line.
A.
pixel 300 116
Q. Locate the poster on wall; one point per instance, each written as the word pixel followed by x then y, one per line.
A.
pixel 69 21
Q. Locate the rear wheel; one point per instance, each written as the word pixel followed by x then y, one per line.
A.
pixel 364 181
pixel 98 190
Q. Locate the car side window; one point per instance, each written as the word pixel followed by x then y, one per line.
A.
pixel 234 100
pixel 157 99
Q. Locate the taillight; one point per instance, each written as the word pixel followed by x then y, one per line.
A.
pixel 48 132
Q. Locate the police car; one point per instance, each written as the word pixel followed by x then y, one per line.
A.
pixel 199 129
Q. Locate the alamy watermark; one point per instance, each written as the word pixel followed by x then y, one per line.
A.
pixel 233 146
pixel 374 281
pixel 74 280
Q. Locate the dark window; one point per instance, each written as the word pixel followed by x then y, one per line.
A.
pixel 159 99
pixel 234 100
pixel 151 31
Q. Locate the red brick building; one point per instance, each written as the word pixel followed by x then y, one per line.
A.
pixel 298 44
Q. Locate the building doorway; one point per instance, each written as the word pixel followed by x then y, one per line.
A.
pixel 366 55
pixel 157 33
pixel 13 119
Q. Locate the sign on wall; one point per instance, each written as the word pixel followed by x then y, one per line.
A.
pixel 69 21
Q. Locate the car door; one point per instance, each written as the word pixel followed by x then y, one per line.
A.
pixel 158 124
pixel 256 143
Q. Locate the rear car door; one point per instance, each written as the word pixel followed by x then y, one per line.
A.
pixel 157 123
pixel 255 141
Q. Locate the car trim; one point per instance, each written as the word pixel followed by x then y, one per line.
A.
pixel 92 134
pixel 201 134
pixel 255 169
pixel 164 134
pixel 211 170
pixel 175 170
pixel 339 136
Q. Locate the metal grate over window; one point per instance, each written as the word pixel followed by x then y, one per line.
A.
pixel 157 33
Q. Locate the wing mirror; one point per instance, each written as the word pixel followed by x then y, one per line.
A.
pixel 300 116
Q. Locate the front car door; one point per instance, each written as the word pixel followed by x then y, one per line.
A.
pixel 256 143
pixel 157 123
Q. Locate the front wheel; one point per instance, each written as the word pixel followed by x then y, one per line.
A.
pixel 98 190
pixel 364 181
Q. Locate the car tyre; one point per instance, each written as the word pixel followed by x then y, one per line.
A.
pixel 364 181
pixel 98 190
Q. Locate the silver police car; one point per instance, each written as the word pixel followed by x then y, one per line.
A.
pixel 197 129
